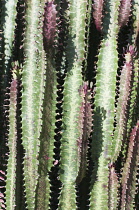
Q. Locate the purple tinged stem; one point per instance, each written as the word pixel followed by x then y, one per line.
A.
pixel 13 90
pixel 113 188
pixel 85 123
pixel 126 76
pixel 124 97
pixel 49 24
pixel 130 169
pixel 124 12
pixel 97 13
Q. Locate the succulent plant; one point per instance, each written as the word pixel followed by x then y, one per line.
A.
pixel 69 101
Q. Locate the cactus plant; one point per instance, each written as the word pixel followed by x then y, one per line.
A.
pixel 69 101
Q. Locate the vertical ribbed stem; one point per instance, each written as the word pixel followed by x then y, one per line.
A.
pixel 32 96
pixel 130 171
pixel 104 106
pixel 71 133
pixel 12 145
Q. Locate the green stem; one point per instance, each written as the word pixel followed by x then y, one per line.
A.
pixel 32 96
pixel 104 106
pixel 75 50
pixel 12 144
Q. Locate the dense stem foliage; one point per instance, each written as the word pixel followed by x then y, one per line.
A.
pixel 69 101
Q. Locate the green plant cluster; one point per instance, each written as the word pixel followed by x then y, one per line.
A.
pixel 69 101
